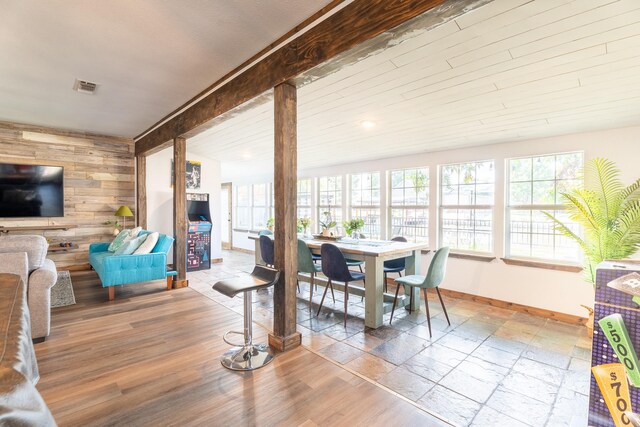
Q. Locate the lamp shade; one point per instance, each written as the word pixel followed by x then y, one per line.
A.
pixel 123 211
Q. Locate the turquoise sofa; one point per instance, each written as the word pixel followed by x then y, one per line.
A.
pixel 117 270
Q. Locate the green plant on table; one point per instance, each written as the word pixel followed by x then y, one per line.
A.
pixel 353 226
pixel 114 224
pixel 608 212
pixel 326 223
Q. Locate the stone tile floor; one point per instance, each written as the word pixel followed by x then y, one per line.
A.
pixel 491 367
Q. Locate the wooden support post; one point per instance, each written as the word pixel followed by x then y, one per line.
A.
pixel 141 191
pixel 285 336
pixel 180 211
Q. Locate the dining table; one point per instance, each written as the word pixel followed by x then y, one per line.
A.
pixel 374 253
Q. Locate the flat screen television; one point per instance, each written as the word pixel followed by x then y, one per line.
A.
pixel 31 191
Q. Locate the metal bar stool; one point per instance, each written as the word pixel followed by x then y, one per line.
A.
pixel 247 356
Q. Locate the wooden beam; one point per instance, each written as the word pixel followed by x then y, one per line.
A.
pixel 359 21
pixel 285 336
pixel 180 211
pixel 141 191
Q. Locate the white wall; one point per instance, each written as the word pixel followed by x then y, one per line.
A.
pixel 553 290
pixel 160 194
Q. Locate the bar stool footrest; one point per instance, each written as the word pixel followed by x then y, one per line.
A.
pixel 235 344
pixel 247 358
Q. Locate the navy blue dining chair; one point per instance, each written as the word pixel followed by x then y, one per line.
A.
pixel 394 265
pixel 267 250
pixel 334 266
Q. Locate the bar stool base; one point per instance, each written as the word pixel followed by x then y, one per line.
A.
pixel 247 358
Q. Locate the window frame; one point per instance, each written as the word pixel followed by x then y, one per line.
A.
pixel 509 208
pixel 248 206
pixel 337 208
pixel 405 207
pixel 472 207
pixel 352 207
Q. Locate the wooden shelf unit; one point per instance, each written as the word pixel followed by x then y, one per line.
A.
pixel 37 228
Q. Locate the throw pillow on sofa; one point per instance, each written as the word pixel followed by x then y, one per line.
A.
pixel 119 240
pixel 130 246
pixel 149 244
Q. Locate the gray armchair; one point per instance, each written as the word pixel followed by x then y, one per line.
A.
pixel 26 257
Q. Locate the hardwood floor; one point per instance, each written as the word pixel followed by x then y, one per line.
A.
pixel 151 357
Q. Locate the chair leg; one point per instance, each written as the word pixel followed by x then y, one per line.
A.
pixel 393 307
pixel 426 303
pixel 410 300
pixel 332 294
pixel 298 285
pixel 311 289
pixel 385 281
pixel 346 301
pixel 443 308
pixel 112 293
pixel 323 295
pixel 360 267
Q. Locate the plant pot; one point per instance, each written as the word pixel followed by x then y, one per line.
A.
pixel 326 232
pixel 589 322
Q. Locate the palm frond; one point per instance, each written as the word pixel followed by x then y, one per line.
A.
pixel 603 177
pixel 562 228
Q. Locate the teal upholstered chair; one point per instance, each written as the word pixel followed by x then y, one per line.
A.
pixel 433 279
pixel 306 265
pixel 265 233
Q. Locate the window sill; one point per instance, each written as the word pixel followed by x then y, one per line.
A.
pixel 241 230
pixel 541 264
pixel 471 257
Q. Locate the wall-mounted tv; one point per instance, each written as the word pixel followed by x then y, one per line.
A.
pixel 31 191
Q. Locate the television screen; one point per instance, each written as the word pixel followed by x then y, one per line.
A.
pixel 31 191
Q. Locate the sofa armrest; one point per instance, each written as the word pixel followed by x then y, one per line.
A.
pixel 44 277
pixel 15 263
pixel 99 247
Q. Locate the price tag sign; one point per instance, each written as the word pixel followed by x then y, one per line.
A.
pixel 613 384
pixel 616 332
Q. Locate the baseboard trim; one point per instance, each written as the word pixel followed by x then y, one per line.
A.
pixel 243 250
pixel 521 308
pixel 541 312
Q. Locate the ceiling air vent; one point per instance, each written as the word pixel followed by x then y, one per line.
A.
pixel 85 86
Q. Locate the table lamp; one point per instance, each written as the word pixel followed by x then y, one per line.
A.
pixel 124 212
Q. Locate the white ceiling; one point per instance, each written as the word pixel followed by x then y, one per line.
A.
pixel 148 56
pixel 510 70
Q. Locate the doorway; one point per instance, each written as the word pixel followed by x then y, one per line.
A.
pixel 225 216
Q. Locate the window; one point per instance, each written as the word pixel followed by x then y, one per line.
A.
pixel 243 203
pixel 410 204
pixel 260 206
pixel 304 198
pixel 330 199
pixel 365 202
pixel 466 206
pixel 535 185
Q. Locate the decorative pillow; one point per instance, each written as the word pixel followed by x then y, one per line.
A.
pixel 135 232
pixel 130 246
pixel 120 239
pixel 149 243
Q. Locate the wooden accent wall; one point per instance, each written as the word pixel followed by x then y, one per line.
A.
pixel 99 177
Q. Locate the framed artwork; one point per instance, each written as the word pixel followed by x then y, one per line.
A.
pixel 193 174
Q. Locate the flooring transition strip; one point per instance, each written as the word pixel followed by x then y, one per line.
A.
pixel 357 374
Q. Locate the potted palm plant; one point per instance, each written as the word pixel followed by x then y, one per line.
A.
pixel 609 215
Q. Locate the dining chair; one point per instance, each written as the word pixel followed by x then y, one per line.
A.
pixel 394 265
pixel 334 266
pixel 306 265
pixel 267 250
pixel 433 279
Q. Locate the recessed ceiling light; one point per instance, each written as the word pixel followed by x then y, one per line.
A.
pixel 368 124
pixel 246 155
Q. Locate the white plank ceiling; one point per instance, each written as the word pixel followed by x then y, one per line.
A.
pixel 147 56
pixel 510 70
